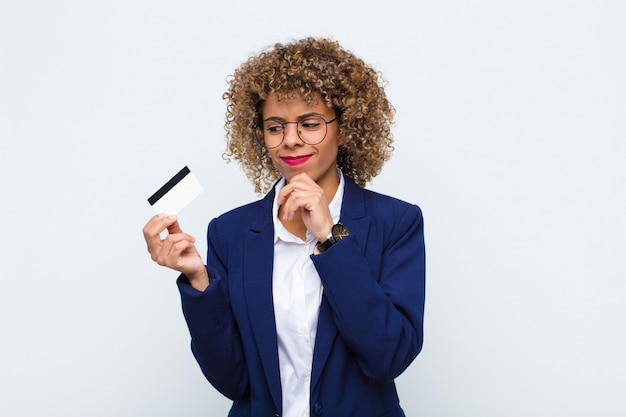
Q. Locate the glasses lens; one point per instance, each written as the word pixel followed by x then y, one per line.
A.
pixel 273 133
pixel 312 130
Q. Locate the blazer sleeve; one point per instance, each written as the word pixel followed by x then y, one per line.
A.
pixel 215 339
pixel 376 291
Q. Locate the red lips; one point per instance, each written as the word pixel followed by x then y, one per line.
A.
pixel 295 160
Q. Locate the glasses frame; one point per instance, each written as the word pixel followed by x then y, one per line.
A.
pixel 297 123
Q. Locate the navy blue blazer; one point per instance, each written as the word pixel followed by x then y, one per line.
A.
pixel 370 325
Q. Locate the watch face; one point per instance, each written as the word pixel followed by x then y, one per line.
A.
pixel 339 231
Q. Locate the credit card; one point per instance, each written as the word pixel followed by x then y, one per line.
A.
pixel 177 193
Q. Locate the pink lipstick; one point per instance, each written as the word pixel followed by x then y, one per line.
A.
pixel 295 160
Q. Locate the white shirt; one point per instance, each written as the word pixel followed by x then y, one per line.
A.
pixel 297 292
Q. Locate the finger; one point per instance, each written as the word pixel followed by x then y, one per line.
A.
pixel 284 194
pixel 171 248
pixel 175 257
pixel 300 182
pixel 313 209
pixel 158 224
pixel 300 195
pixel 153 229
pixel 174 227
pixel 302 178
pixel 309 199
pixel 175 238
pixel 296 201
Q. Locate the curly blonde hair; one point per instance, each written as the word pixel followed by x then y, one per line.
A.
pixel 305 67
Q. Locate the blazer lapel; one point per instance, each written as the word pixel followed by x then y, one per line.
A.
pixel 258 248
pixel 353 217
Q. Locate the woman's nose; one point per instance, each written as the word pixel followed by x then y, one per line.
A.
pixel 292 137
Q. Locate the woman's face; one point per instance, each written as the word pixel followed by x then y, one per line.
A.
pixel 293 156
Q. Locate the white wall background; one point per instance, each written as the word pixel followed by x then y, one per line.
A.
pixel 510 135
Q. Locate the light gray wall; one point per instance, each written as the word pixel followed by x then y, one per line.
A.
pixel 510 135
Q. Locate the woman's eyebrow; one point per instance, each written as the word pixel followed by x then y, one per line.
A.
pixel 302 116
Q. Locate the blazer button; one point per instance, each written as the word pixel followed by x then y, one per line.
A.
pixel 318 410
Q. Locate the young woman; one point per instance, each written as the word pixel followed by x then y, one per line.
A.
pixel 311 300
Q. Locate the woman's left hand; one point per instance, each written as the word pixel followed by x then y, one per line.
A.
pixel 305 195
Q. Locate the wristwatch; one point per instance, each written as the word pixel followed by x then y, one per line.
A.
pixel 337 232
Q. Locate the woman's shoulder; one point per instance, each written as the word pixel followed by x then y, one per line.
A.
pixel 378 201
pixel 393 217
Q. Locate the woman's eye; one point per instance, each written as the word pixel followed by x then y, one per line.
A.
pixel 310 124
pixel 275 128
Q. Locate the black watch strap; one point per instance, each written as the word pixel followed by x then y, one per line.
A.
pixel 323 246
pixel 337 232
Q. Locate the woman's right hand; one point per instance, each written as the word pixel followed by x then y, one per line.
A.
pixel 176 251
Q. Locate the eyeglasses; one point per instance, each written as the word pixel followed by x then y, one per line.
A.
pixel 311 130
